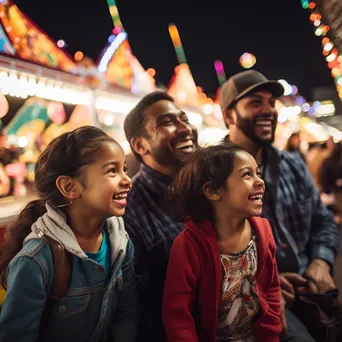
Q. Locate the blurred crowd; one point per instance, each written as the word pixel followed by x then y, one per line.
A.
pixel 324 161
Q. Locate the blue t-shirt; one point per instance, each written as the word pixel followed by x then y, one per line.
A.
pixel 103 256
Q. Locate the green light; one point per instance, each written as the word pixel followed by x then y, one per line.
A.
pixel 305 4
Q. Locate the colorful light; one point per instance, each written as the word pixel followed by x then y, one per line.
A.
pixel 328 46
pixel 151 71
pixel 318 31
pixel 176 41
pixel 113 9
pixel 221 76
pixel 247 60
pixel 174 34
pixel 78 56
pixel 56 112
pixel 305 4
pixel 333 56
pixel 61 43
pixel 287 87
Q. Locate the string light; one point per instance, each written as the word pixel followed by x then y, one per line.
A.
pixel 332 55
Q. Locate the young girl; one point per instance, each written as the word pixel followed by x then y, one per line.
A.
pixel 222 282
pixel 82 183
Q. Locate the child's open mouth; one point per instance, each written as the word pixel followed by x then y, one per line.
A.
pixel 257 199
pixel 121 198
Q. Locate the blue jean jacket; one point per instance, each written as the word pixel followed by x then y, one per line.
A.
pixel 91 311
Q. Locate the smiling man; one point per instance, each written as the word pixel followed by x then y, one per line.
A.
pixel 306 235
pixel 161 138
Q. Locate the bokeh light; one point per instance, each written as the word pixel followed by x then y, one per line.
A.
pixel 151 71
pixel 247 60
pixel 61 43
pixel 78 56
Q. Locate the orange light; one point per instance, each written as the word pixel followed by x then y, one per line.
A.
pixel 78 56
pixel 335 72
pixel 312 5
pixel 315 16
pixel 174 34
pixel 151 71
pixel 325 41
pixel 334 64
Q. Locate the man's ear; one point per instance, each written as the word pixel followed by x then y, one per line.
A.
pixel 68 187
pixel 228 116
pixel 210 193
pixel 139 145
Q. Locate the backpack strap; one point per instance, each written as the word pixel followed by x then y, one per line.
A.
pixel 61 267
pixel 60 281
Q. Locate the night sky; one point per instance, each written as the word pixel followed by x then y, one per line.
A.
pixel 278 33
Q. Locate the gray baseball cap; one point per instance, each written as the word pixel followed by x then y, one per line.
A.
pixel 243 83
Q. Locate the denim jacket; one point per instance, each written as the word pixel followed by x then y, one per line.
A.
pixel 92 310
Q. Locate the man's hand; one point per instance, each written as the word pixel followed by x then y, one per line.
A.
pixel 318 275
pixel 282 315
pixel 288 283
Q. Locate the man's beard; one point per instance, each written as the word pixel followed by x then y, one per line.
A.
pixel 165 157
pixel 247 127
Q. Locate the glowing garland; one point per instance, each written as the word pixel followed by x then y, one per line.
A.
pixel 333 56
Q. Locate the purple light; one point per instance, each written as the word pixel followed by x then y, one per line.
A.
pixel 300 100
pixel 219 67
pixel 311 111
pixel 294 90
pixel 111 38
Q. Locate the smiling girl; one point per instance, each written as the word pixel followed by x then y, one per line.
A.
pixel 222 282
pixel 82 183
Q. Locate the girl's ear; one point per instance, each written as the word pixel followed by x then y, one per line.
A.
pixel 210 194
pixel 67 187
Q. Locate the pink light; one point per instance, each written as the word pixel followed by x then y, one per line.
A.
pixel 16 170
pixel 116 30
pixel 219 67
pixel 60 43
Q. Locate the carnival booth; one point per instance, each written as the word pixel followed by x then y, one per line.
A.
pixel 45 92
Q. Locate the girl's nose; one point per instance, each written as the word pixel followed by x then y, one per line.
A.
pixel 260 182
pixel 126 180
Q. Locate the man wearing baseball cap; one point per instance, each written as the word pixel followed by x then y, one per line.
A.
pixel 306 235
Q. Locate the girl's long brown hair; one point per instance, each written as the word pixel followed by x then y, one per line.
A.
pixel 213 164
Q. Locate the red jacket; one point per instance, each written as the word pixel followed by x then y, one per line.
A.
pixel 192 291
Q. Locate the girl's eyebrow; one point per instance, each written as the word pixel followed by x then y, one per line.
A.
pixel 113 162
pixel 249 169
pixel 244 168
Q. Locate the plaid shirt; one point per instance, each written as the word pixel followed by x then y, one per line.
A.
pixel 152 231
pixel 303 228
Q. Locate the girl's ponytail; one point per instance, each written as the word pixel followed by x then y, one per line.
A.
pixel 15 234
